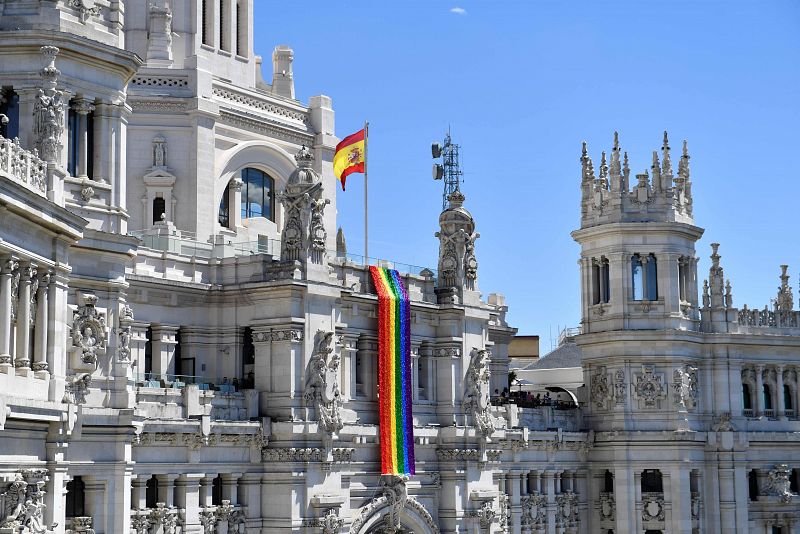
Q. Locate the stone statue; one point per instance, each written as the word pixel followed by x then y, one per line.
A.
pixel 476 392
pixel 124 349
pixel 304 235
pixel 159 151
pixel 48 110
pixel 396 493
pixel 322 383
pixel 779 483
pixel 76 388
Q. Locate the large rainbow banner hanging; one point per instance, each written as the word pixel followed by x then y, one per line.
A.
pixel 394 373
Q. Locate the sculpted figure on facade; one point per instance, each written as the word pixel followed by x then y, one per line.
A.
pixel 620 386
pixel 76 388
pixel 476 392
pixel 599 387
pixel 89 331
pixel 534 511
pixel 322 383
pixel 24 503
pixel 458 264
pixel 48 110
pixel 684 386
pixel 779 483
pixel 304 234
pixel 567 504
pixel 396 494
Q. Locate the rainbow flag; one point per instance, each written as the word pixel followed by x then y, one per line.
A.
pixel 394 373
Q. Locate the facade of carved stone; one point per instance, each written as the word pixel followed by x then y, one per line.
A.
pixel 185 347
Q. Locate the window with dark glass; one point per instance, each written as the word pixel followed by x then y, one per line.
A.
pixel 10 108
pixel 787 397
pixel 223 34
pixel 752 484
pixel 767 397
pixel 204 23
pixel 148 352
pixel 608 482
pixel 159 208
pixel 747 401
pixel 151 492
pixel 651 481
pixel 76 498
pixel 241 46
pixel 216 491
pixel 652 278
pixel 73 145
pixel 224 214
pixel 258 194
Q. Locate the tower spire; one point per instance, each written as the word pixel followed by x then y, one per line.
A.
pixel 603 172
pixel 614 168
pixel 656 168
pixel 626 173
pixel 666 169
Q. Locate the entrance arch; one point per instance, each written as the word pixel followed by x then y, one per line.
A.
pixel 371 519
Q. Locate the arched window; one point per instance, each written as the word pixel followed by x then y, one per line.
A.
pixel 76 498
pixel 9 106
pixel 747 401
pixel 258 194
pixel 151 492
pixel 159 209
pixel 787 397
pixel 216 490
pixel 651 275
pixel 767 397
pixel 224 214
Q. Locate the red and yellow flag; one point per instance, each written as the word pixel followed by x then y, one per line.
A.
pixel 350 156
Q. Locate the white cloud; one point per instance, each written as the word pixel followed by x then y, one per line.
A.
pixel 458 11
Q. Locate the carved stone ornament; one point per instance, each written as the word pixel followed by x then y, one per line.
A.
pixel 485 515
pixel 322 383
pixel 159 151
pixel 599 388
pixel 23 509
pixel 304 235
pixel 567 516
pixel 620 387
pixel 164 516
pixel 124 348
pixel 89 331
pixel 81 525
pixel 48 110
pixel 504 502
pixel 608 507
pixel 534 511
pixel 126 314
pixel 779 483
pixel 85 8
pixel 684 386
pixel 76 388
pixel 652 507
pixel 476 392
pixel 649 386
pixel 394 496
pixel 330 522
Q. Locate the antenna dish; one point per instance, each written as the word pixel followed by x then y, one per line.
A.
pixel 438 171
pixel 436 150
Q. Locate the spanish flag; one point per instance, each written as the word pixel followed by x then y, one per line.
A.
pixel 350 156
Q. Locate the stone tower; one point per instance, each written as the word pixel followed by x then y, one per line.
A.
pixel 458 266
pixel 640 330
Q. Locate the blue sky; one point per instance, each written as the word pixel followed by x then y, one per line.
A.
pixel 520 84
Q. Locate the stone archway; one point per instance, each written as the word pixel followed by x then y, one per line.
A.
pixel 414 518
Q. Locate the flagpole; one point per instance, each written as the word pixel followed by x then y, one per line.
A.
pixel 366 193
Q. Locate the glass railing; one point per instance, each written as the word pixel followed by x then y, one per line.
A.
pixel 204 383
pixel 402 268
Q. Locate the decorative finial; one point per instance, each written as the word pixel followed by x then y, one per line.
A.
pixel 616 140
pixel 667 161
pixel 683 165
pixel 625 166
pixel 304 157
pixel 603 171
pixel 614 168
pixel 656 168
pixel 715 257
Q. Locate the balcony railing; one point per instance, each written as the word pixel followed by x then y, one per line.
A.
pixel 22 166
pixel 748 412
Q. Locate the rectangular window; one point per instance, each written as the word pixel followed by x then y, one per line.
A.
pixel 224 26
pixel 652 278
pixel 595 282
pixel 90 145
pixel 422 377
pixel 360 378
pixel 637 278
pixel 10 108
pixel 73 126
pixel 241 30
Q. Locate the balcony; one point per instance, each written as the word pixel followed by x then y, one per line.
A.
pixel 23 167
pixel 181 397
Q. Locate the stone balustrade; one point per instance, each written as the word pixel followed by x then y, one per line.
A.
pixel 189 401
pixel 23 166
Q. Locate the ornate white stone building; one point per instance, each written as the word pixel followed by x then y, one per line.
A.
pixel 186 347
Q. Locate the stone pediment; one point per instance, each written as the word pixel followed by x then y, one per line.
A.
pixel 159 177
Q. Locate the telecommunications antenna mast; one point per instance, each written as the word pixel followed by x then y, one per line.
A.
pixel 449 170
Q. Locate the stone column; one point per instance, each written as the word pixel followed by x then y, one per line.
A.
pixel 166 490
pixel 83 107
pixel 7 268
pixel 96 505
pixel 780 407
pixel 280 369
pixel 230 487
pixel 188 498
pixel 103 152
pixel 550 499
pixel 139 493
pixel 22 359
pixel 349 352
pixel 680 495
pixel 206 490
pixel 58 315
pixel 758 397
pixel 235 202
pixel 626 489
pixel 42 320
pixel 514 481
pixel 118 492
pixel 250 497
